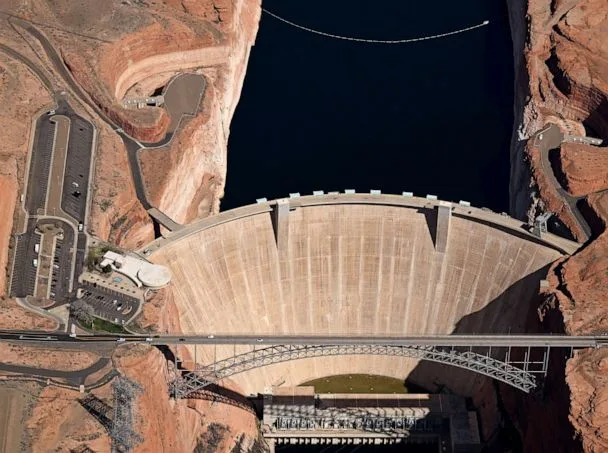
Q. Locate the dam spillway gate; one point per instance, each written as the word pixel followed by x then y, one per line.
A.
pixel 517 366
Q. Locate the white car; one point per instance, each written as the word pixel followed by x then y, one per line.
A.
pixel 210 336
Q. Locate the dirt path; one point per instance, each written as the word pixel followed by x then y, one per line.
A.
pixel 13 403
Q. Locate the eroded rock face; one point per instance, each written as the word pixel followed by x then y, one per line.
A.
pixel 561 77
pixel 58 422
pixel 213 38
pixel 116 213
pixel 159 314
pixel 118 50
pixel 192 185
pixel 178 426
pixel 581 283
pixel 561 59
pixel 587 376
pixel 585 168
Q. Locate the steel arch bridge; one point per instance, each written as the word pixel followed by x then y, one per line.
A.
pixel 521 377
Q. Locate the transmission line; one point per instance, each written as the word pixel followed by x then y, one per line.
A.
pixel 374 41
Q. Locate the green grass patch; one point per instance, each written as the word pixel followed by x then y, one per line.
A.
pixel 101 325
pixel 107 326
pixel 358 383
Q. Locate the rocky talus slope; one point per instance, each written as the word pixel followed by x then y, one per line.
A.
pixel 561 64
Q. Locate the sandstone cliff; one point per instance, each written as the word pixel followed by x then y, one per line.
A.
pixel 192 185
pixel 587 376
pixel 58 422
pixel 561 66
pixel 117 50
pixel 182 425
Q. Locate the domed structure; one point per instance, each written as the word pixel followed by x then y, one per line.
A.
pixel 154 276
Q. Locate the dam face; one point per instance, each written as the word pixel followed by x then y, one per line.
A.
pixel 351 265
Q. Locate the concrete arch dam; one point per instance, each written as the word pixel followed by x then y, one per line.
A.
pixel 352 264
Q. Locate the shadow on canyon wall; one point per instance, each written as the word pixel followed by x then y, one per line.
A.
pixel 596 124
pixel 511 420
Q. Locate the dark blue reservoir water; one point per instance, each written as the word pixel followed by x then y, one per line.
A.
pixel 432 117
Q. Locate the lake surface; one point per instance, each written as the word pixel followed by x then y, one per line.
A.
pixel 431 117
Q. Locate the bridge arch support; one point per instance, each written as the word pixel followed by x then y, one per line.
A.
pixel 504 371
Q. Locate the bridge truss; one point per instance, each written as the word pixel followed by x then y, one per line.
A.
pixel 519 368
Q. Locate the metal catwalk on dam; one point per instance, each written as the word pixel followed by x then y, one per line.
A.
pixel 353 265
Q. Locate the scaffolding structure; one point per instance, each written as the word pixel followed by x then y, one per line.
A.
pixel 540 224
pixel 99 409
pixel 124 438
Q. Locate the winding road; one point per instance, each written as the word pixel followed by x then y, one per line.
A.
pixel 74 378
pixel 551 137
pixel 132 145
pixel 547 139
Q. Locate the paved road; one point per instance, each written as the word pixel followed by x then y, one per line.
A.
pixel 62 340
pixel 164 220
pixel 133 147
pixel 73 377
pixel 33 67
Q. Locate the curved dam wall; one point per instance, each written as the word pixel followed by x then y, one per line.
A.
pixel 351 264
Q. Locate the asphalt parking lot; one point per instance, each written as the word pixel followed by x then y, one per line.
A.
pixel 62 260
pixel 109 304
pixel 74 190
pixel 24 273
pixel 40 165
pixel 77 168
